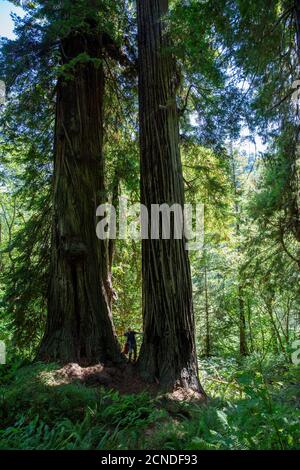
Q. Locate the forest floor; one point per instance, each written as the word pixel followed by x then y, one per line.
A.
pixel 124 379
pixel 253 404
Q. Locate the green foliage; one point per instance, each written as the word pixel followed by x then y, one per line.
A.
pixel 68 416
pixel 253 405
pixel 246 411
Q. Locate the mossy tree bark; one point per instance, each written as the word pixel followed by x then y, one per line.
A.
pixel 79 325
pixel 168 353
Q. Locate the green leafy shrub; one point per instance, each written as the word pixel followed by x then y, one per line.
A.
pixel 253 405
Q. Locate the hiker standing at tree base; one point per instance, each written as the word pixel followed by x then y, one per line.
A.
pixel 131 343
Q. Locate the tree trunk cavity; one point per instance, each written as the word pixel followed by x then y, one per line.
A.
pixel 168 353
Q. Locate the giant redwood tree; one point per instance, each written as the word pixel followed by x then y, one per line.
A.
pixel 79 325
pixel 168 352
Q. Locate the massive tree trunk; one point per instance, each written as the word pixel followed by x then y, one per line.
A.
pixel 297 26
pixel 79 325
pixel 295 183
pixel 168 353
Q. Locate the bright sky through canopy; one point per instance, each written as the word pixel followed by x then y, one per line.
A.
pixel 6 22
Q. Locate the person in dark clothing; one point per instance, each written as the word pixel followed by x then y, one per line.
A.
pixel 131 343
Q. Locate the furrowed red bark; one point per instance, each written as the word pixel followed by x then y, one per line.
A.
pixel 79 325
pixel 295 183
pixel 168 353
